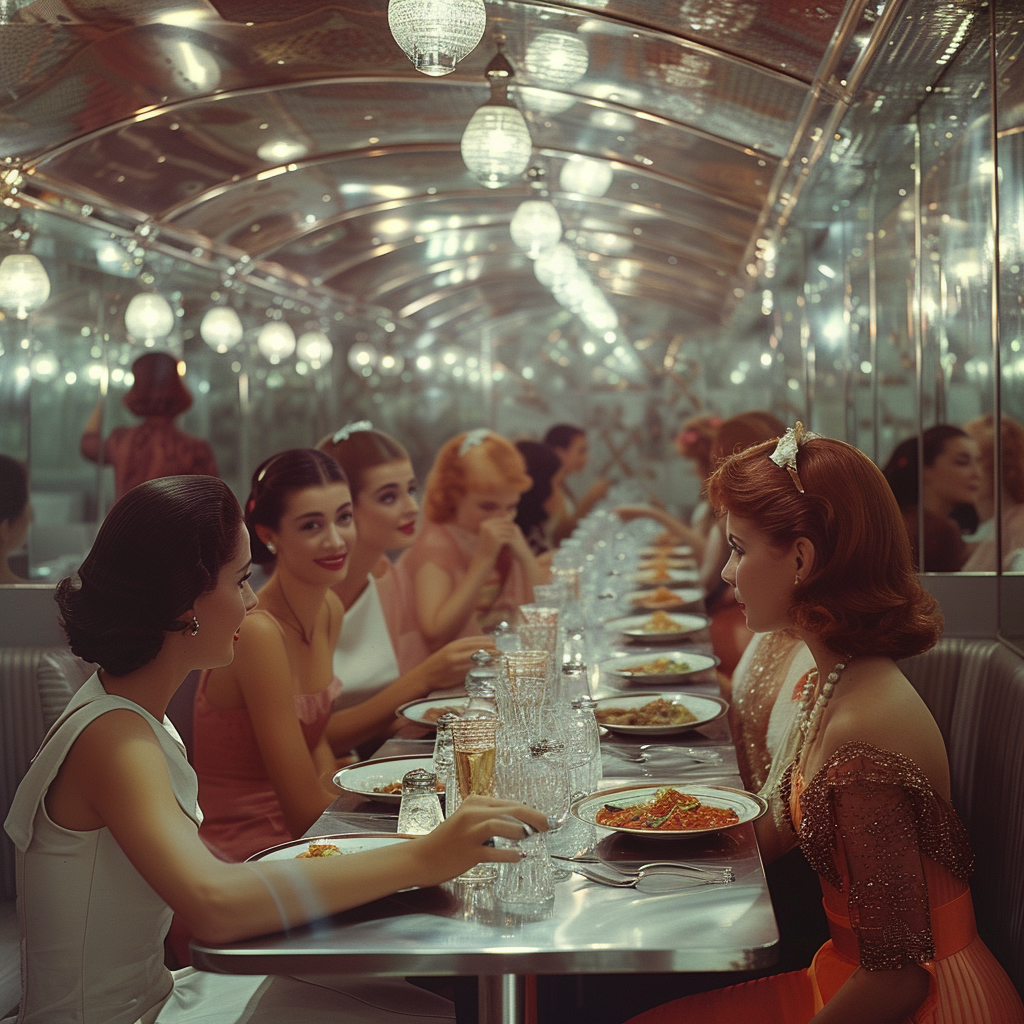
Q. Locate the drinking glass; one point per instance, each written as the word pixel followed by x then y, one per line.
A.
pixel 474 744
pixel 546 788
pixel 528 885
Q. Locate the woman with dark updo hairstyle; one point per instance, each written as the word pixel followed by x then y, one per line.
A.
pixel 15 514
pixel 156 447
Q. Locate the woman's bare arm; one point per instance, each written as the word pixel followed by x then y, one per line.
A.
pixel 122 776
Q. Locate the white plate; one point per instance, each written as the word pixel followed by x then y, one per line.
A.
pixel 707 709
pixel 672 551
pixel 747 806
pixel 631 626
pixel 416 709
pixel 361 778
pixel 347 843
pixel 621 666
pixel 651 578
pixel 683 596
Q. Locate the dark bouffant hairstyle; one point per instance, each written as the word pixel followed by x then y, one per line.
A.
pixel 542 463
pixel 274 480
pixel 13 488
pixel 901 471
pixel 157 389
pixel 863 595
pixel 561 435
pixel 360 451
pixel 161 546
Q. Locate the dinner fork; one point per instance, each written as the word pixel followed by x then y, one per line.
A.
pixel 653 879
pixel 642 754
pixel 725 874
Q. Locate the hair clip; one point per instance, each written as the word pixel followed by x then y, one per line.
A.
pixel 786 451
pixel 351 428
pixel 473 438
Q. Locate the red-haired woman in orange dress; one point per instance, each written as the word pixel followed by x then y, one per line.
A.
pixel 819 548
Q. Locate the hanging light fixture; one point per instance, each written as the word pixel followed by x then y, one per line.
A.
pixel 276 341
pixel 535 226
pixel 221 328
pixel 315 348
pixel 148 318
pixel 24 284
pixel 556 60
pixel 496 145
pixel 586 176
pixel 437 34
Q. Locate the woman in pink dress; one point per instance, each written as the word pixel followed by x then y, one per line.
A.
pixel 471 567
pixel 263 762
pixel 375 660
pixel 155 447
pixel 818 548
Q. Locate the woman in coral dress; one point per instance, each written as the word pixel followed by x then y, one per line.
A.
pixel 865 790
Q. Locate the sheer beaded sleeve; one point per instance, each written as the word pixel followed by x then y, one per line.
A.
pixel 870 817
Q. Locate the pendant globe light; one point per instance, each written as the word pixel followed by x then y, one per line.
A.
pixel 24 284
pixel 586 176
pixel 276 341
pixel 148 318
pixel 221 329
pixel 496 145
pixel 315 348
pixel 556 60
pixel 535 226
pixel 437 34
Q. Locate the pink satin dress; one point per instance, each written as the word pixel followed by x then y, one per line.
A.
pixel 893 860
pixel 241 812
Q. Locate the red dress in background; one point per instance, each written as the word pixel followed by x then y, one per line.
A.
pixel 153 449
pixel 893 860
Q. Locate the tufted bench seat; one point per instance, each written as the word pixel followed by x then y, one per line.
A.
pixel 975 690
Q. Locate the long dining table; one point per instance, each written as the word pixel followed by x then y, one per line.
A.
pixel 459 929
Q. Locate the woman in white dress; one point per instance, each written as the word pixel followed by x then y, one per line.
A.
pixel 378 653
pixel 105 822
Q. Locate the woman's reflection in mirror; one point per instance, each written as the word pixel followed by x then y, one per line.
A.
pixel 949 487
pixel 1011 481
pixel 156 447
pixel 15 514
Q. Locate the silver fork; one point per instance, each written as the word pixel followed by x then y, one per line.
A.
pixel 642 754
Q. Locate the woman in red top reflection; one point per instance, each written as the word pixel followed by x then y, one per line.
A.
pixel 155 447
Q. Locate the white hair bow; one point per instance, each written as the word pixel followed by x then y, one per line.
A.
pixel 472 439
pixel 351 428
pixel 786 451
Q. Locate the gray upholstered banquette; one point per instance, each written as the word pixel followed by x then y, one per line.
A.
pixel 975 690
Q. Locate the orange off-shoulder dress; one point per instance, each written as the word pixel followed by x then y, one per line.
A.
pixel 893 860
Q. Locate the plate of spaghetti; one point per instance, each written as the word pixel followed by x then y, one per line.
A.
pixel 329 846
pixel 658 714
pixel 659 626
pixel 670 810
pixel 662 576
pixel 665 597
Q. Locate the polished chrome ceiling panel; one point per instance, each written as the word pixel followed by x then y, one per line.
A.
pixel 298 135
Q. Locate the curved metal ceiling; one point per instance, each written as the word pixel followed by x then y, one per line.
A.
pixel 298 134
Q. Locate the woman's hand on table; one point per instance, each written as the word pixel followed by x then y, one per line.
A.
pixel 448 666
pixel 457 844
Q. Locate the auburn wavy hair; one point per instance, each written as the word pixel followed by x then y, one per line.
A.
pixel 863 595
pixel 494 463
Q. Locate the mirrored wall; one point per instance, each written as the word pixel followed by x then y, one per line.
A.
pixel 877 306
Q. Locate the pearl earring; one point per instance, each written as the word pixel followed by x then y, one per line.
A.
pixel 796 582
pixel 270 547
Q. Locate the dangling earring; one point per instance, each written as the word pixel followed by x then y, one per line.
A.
pixel 270 547
pixel 195 626
pixel 796 582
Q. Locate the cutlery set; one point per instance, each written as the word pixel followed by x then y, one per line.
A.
pixel 658 877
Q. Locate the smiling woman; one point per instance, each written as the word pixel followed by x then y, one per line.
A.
pixel 263 762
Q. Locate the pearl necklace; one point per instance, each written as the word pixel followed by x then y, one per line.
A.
pixel 813 710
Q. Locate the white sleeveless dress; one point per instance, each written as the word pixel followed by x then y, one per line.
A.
pixel 365 659
pixel 92 928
